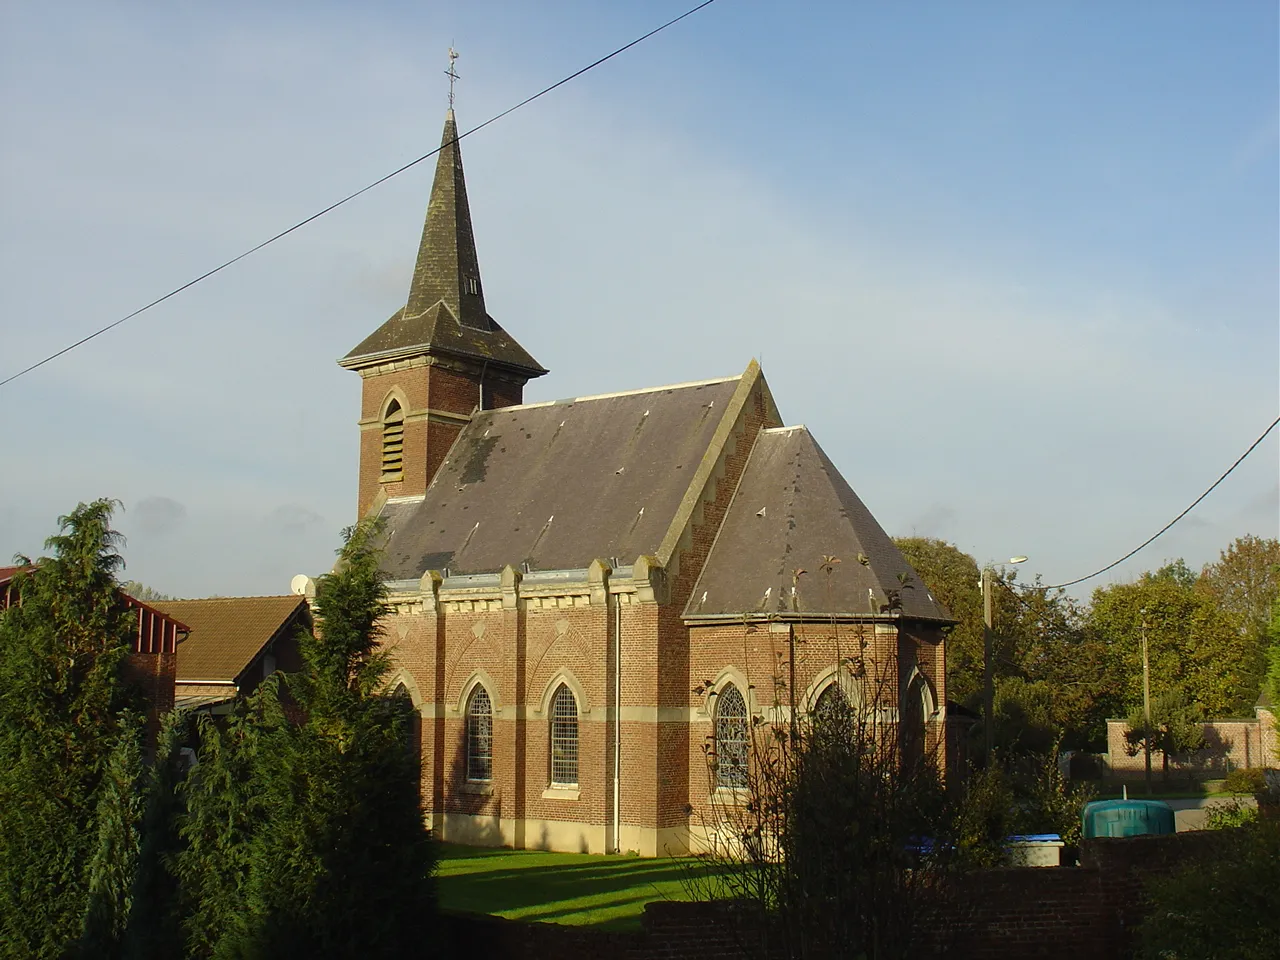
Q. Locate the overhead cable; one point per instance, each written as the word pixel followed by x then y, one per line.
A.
pixel 1115 563
pixel 365 189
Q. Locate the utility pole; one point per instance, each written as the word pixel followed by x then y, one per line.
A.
pixel 1146 700
pixel 988 683
pixel 988 656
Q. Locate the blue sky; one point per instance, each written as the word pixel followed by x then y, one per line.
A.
pixel 1015 265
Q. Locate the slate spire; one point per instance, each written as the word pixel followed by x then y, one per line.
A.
pixel 444 312
pixel 447 268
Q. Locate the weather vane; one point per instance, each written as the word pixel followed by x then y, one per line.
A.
pixel 452 74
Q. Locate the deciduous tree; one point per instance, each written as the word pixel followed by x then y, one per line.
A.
pixel 1194 646
pixel 952 578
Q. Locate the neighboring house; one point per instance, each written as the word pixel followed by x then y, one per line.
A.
pixel 152 663
pixel 589 592
pixel 233 645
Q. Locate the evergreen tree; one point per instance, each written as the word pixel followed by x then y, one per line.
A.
pixel 155 930
pixel 304 824
pixel 62 704
pixel 121 798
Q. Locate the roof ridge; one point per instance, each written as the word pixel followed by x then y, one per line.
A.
pixel 620 393
pixel 264 596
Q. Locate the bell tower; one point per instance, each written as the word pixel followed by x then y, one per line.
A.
pixel 439 359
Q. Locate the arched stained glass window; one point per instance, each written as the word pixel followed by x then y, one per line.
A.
pixel 831 715
pixel 564 738
pixel 479 735
pixel 732 738
pixel 829 703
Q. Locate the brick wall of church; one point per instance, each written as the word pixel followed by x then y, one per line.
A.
pixel 673 687
pixel 426 442
pixel 521 657
pixel 375 391
pixel 517 653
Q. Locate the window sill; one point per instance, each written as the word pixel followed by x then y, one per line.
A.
pixel 734 795
pixel 479 788
pixel 397 478
pixel 561 793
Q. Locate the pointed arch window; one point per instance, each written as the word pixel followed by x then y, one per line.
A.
pixel 393 442
pixel 479 735
pixel 402 700
pixel 564 738
pixel 830 703
pixel 732 738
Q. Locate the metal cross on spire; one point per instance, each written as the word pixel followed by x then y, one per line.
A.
pixel 452 74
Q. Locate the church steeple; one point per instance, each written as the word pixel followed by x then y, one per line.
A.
pixel 445 312
pixel 439 358
pixel 447 268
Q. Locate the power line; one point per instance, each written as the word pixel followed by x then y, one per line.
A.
pixel 1165 528
pixel 365 189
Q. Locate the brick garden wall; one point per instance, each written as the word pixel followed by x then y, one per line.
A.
pixel 1228 744
pixel 1079 913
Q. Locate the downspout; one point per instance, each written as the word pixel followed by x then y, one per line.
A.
pixel 617 721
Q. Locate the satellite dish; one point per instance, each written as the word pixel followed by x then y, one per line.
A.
pixel 302 586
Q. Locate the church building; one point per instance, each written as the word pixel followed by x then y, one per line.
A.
pixel 595 600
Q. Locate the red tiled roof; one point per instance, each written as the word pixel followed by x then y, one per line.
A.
pixel 227 633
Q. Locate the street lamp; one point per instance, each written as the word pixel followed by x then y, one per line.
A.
pixel 988 628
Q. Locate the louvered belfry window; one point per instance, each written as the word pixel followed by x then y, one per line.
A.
pixel 732 738
pixel 564 738
pixel 479 735
pixel 393 442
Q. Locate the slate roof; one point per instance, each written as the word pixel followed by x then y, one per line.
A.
pixel 445 312
pixel 228 633
pixel 791 508
pixel 556 485
pixel 437 330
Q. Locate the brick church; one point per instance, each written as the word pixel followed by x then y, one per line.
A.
pixel 594 595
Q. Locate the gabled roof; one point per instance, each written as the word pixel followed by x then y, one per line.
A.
pixel 557 485
pixel 792 507
pixel 445 311
pixel 229 633
pixel 157 632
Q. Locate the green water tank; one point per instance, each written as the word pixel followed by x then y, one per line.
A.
pixel 1127 818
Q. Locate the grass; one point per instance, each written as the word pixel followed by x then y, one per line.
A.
pixel 1175 790
pixel 608 892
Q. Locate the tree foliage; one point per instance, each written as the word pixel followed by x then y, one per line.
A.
pixel 1245 580
pixel 952 576
pixel 1195 647
pixel 304 830
pixel 64 734
pixel 1227 905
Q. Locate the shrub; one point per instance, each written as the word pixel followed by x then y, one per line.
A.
pixel 1225 907
pixel 1246 780
pixel 1229 813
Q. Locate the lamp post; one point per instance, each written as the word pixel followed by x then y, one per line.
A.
pixel 988 629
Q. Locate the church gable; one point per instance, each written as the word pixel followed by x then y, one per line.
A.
pixel 792 508
pixel 555 485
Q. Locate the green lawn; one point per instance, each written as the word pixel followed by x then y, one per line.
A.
pixel 573 888
pixel 1209 789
